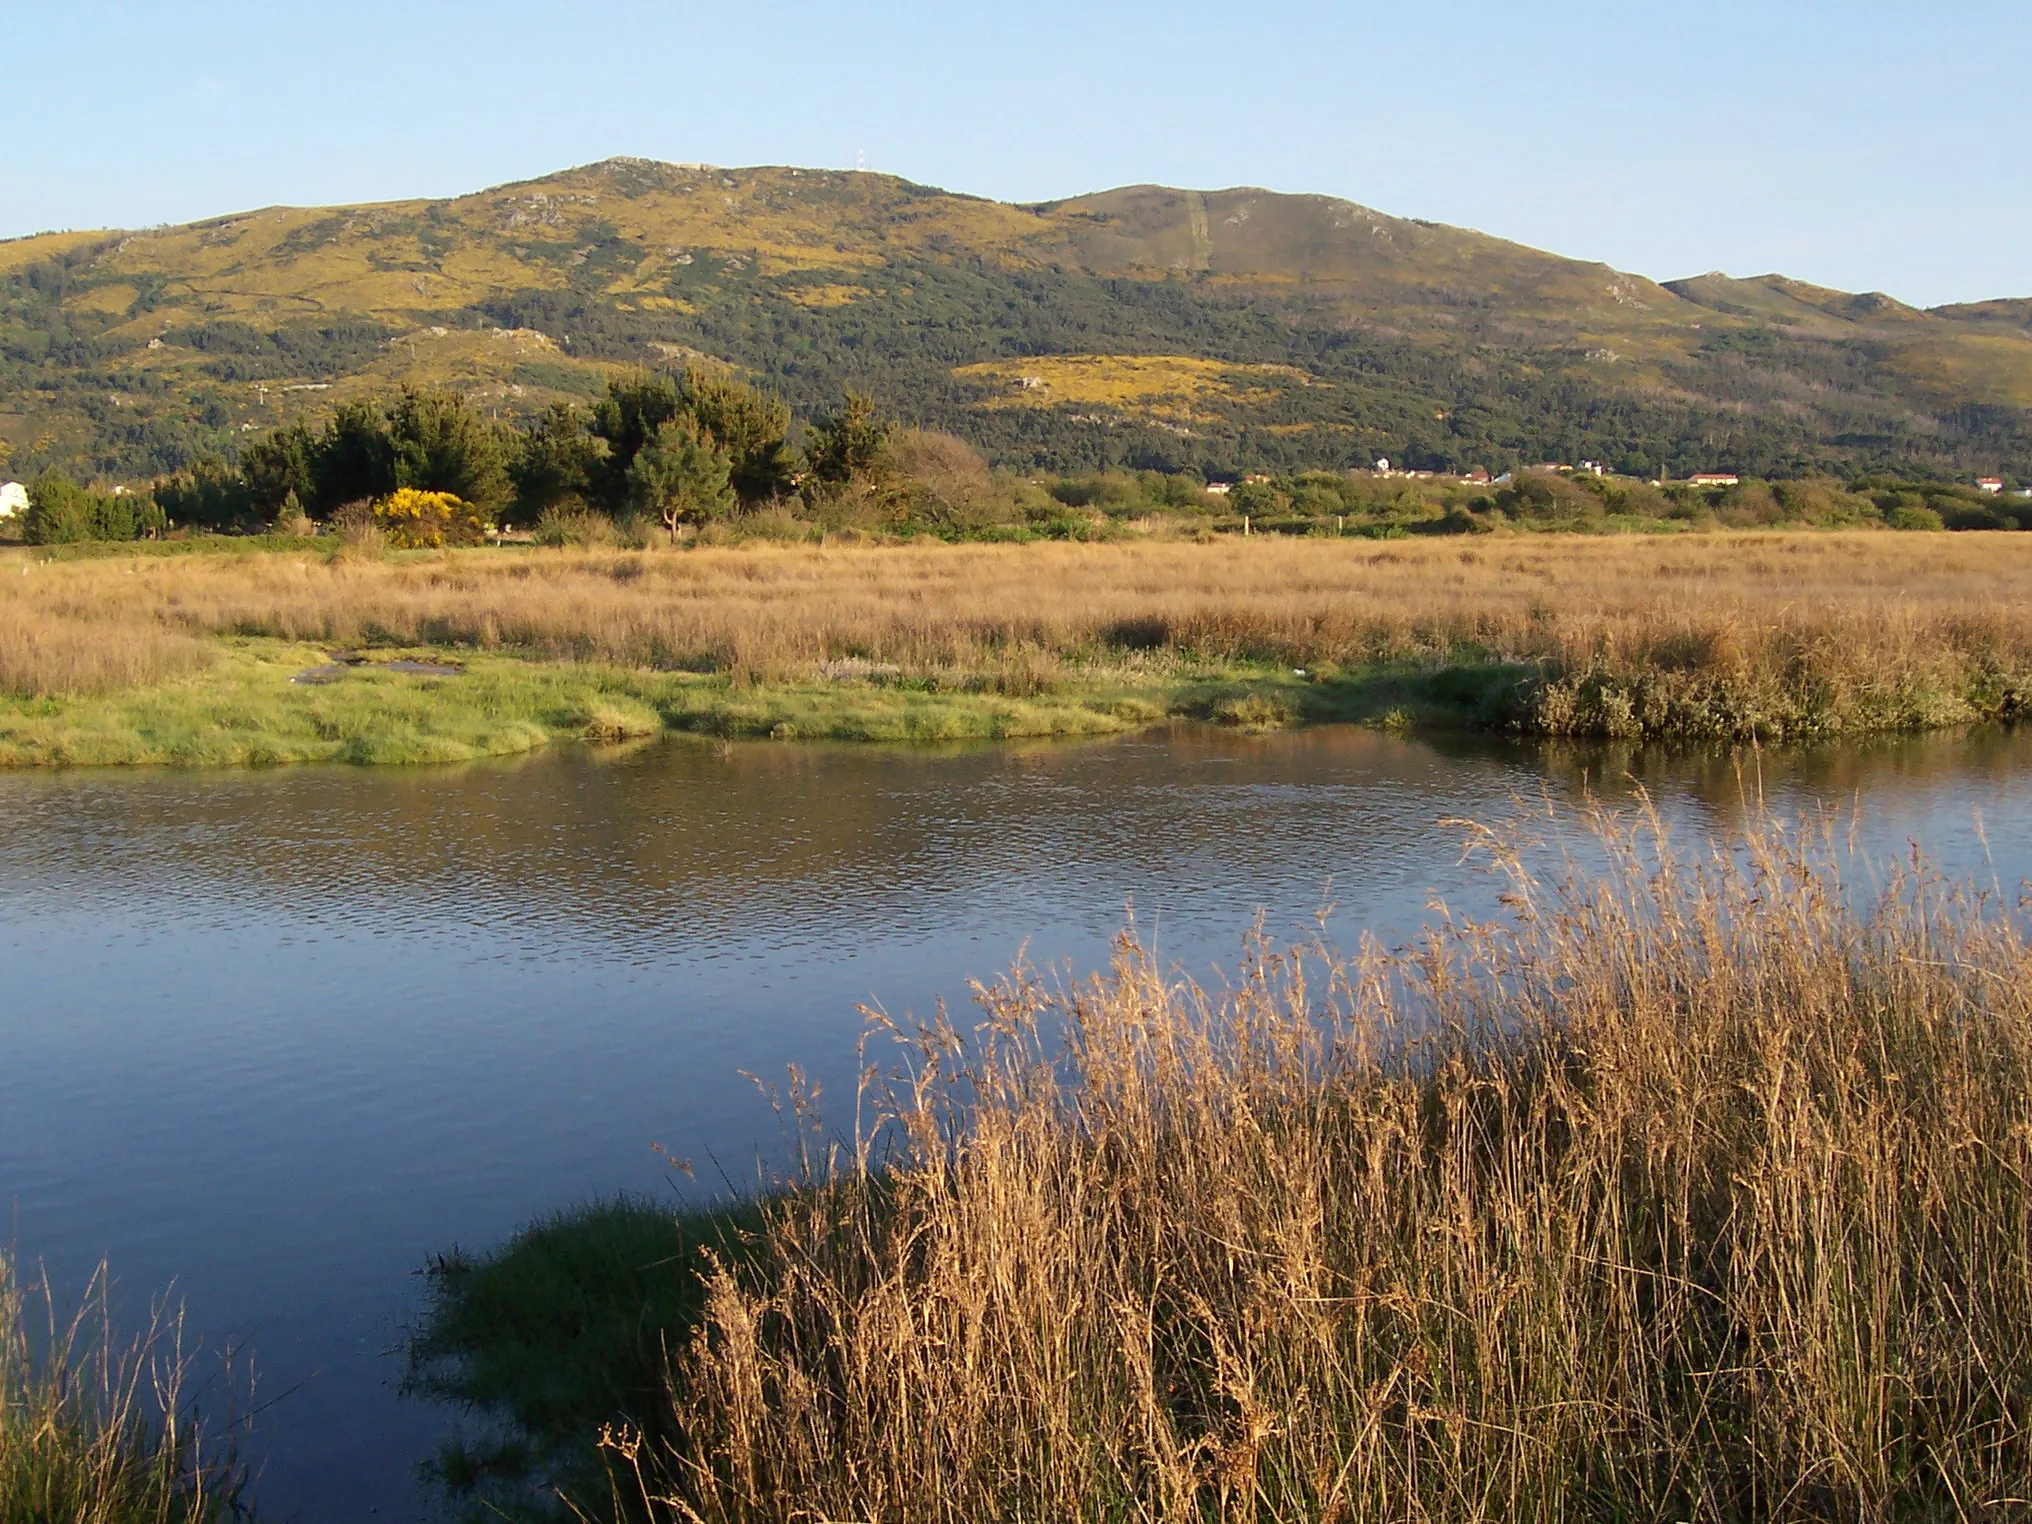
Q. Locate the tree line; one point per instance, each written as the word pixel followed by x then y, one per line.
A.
pixel 696 447
pixel 681 449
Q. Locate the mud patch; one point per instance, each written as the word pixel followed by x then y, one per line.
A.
pixel 343 662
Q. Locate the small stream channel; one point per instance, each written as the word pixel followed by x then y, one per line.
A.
pixel 277 1036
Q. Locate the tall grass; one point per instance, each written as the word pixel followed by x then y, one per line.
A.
pixel 1726 635
pixel 1698 1189
pixel 52 651
pixel 94 1430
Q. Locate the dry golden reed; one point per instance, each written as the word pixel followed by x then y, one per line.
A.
pixel 1632 634
pixel 1697 1190
pixel 77 639
pixel 94 1430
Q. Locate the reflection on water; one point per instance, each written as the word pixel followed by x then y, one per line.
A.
pixel 278 1036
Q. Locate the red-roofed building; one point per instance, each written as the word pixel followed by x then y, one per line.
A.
pixel 1990 483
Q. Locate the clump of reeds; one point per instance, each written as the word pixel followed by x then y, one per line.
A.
pixel 94 1430
pixel 1700 1189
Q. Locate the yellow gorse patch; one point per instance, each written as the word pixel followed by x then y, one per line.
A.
pixel 428 520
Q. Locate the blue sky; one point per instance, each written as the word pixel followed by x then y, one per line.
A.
pixel 1866 146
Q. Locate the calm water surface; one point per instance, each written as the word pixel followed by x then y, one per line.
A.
pixel 277 1037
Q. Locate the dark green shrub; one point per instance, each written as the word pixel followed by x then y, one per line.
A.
pixel 1642 500
pixel 1256 499
pixel 1545 498
pixel 1168 490
pixel 1906 516
pixel 1109 491
pixel 60 512
pixel 1456 520
pixel 207 494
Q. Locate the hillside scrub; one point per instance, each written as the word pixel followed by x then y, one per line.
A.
pixel 1696 1187
pixel 1008 326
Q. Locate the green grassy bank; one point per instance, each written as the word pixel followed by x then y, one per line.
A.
pixel 567 1327
pixel 245 706
pixel 193 657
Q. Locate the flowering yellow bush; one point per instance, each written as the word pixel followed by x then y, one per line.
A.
pixel 416 519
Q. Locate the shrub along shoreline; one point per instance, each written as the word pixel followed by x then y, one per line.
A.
pixel 193 659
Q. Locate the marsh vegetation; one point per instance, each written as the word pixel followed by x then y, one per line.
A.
pixel 96 1428
pixel 1695 1187
pixel 1717 638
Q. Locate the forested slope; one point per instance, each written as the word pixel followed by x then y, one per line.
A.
pixel 1223 331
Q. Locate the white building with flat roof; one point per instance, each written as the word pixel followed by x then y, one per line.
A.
pixel 13 499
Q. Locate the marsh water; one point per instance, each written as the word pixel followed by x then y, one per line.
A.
pixel 277 1037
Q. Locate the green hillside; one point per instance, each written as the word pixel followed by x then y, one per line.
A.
pixel 1224 330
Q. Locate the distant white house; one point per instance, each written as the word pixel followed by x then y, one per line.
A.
pixel 1714 479
pixel 1220 489
pixel 13 499
pixel 1990 483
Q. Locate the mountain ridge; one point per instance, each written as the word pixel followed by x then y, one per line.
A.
pixel 128 352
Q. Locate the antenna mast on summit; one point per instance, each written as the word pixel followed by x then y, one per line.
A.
pixel 861 159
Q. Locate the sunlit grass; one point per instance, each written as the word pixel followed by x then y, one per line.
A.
pixel 1168 386
pixel 94 1430
pixel 1695 1188
pixel 1716 638
pixel 242 708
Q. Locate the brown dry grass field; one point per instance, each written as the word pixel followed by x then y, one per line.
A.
pixel 1724 634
